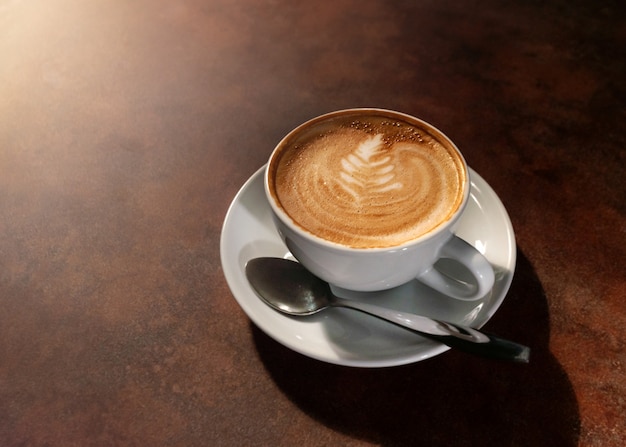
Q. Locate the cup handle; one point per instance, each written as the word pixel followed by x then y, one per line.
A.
pixel 464 253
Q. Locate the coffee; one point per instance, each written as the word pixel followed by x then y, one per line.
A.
pixel 367 179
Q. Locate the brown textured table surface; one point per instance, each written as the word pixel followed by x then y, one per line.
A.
pixel 126 129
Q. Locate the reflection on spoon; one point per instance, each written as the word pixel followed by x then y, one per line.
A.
pixel 289 288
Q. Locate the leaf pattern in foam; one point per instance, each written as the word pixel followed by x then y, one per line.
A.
pixel 363 173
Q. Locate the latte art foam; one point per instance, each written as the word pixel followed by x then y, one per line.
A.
pixel 367 181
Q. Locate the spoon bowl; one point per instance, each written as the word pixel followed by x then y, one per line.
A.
pixel 288 287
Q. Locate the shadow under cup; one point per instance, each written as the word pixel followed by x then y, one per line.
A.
pixel 368 199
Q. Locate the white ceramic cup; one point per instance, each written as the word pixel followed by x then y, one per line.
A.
pixel 372 269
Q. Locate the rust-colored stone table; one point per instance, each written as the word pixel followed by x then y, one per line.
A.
pixel 127 127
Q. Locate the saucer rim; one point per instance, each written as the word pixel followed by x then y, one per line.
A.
pixel 235 283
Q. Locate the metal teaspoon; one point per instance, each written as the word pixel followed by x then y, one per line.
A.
pixel 289 288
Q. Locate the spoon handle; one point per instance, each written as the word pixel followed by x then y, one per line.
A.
pixel 460 337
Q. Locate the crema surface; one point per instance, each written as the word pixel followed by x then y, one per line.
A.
pixel 367 181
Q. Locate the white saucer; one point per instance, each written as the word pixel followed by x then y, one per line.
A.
pixel 347 337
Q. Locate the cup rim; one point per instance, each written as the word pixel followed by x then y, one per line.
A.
pixel 443 226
